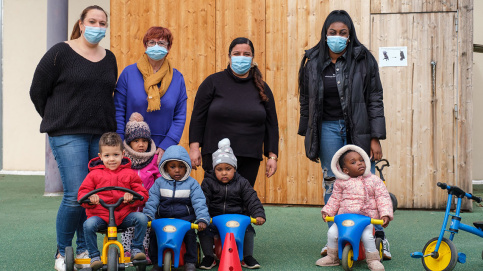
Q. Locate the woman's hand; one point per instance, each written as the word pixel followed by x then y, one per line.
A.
pixel 160 153
pixel 271 167
pixel 386 221
pixel 376 150
pixel 195 155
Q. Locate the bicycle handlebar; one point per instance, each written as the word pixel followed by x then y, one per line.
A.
pixel 458 192
pixel 373 221
pixel 85 198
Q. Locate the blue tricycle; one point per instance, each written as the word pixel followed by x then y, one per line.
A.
pixel 440 253
pixel 170 233
pixel 350 228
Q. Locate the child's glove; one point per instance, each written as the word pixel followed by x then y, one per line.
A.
pixel 260 221
pixel 201 226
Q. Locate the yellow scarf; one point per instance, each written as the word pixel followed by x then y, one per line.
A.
pixel 151 81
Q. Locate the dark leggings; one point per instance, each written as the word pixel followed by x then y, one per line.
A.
pixel 246 166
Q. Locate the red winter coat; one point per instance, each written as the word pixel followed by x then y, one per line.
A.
pixel 100 176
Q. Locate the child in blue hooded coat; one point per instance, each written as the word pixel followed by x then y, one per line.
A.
pixel 177 195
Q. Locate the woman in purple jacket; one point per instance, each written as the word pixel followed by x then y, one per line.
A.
pixel 156 90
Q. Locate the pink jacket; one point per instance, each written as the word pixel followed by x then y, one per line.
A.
pixel 366 194
pixel 149 173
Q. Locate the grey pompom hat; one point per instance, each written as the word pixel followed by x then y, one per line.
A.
pixel 224 154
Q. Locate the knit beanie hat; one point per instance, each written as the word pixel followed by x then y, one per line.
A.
pixel 136 128
pixel 224 154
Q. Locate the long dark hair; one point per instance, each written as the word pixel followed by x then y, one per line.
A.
pixel 257 75
pixel 76 30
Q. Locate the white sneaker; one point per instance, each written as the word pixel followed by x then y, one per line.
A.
pixel 83 255
pixel 60 263
pixel 323 252
pixel 385 250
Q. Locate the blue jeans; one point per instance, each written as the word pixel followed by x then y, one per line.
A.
pixel 333 136
pixel 94 224
pixel 72 153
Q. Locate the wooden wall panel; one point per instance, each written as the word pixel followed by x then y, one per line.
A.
pixel 420 121
pixel 425 142
pixel 404 6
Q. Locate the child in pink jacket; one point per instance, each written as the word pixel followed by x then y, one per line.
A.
pixel 140 148
pixel 356 191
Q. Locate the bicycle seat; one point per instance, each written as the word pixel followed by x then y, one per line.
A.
pixel 478 224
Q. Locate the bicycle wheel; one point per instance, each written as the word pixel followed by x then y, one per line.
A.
pixel 167 261
pixel 112 259
pixel 447 255
pixel 394 202
pixel 347 258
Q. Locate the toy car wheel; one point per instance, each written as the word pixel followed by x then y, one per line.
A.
pixel 394 202
pixel 112 259
pixel 141 267
pixel 167 261
pixel 380 248
pixel 69 259
pixel 447 255
pixel 347 258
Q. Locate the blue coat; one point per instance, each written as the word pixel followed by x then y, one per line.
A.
pixel 181 199
pixel 166 124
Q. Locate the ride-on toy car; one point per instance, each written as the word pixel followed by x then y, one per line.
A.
pixel 350 245
pixel 440 253
pixel 170 233
pixel 112 255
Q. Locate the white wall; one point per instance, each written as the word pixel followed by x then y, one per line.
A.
pixel 477 91
pixel 24 44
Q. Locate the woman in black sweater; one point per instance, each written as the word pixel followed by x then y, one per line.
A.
pixel 236 103
pixel 72 91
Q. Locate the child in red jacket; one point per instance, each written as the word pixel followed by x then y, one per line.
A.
pixel 112 169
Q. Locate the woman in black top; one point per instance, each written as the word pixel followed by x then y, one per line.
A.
pixel 237 104
pixel 72 91
pixel 340 98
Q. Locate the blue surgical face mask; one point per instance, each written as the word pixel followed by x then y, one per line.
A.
pixel 94 35
pixel 156 52
pixel 241 64
pixel 336 44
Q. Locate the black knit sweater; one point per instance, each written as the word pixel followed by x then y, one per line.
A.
pixel 227 106
pixel 74 95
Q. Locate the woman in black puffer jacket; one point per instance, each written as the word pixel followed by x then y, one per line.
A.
pixel 341 97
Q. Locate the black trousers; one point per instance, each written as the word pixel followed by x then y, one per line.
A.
pixel 246 166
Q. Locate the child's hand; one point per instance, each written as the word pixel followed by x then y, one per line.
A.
pixel 386 221
pixel 127 197
pixel 260 221
pixel 94 199
pixel 201 226
pixel 324 215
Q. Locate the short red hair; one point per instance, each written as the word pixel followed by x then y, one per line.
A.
pixel 158 32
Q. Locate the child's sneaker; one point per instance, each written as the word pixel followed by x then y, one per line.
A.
pixel 96 263
pixel 127 254
pixel 83 255
pixel 250 263
pixel 138 255
pixel 207 263
pixel 189 267
pixel 59 263
pixel 385 247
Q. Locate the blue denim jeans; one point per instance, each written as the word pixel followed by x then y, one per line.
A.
pixel 72 153
pixel 333 136
pixel 94 224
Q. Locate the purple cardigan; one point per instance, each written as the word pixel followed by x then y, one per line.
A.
pixel 166 124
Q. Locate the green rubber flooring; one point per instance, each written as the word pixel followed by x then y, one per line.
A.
pixel 291 238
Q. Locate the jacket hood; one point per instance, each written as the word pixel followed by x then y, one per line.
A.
pixel 334 165
pixel 96 163
pixel 176 153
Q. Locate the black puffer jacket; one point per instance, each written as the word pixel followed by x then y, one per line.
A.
pixel 235 197
pixel 361 99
